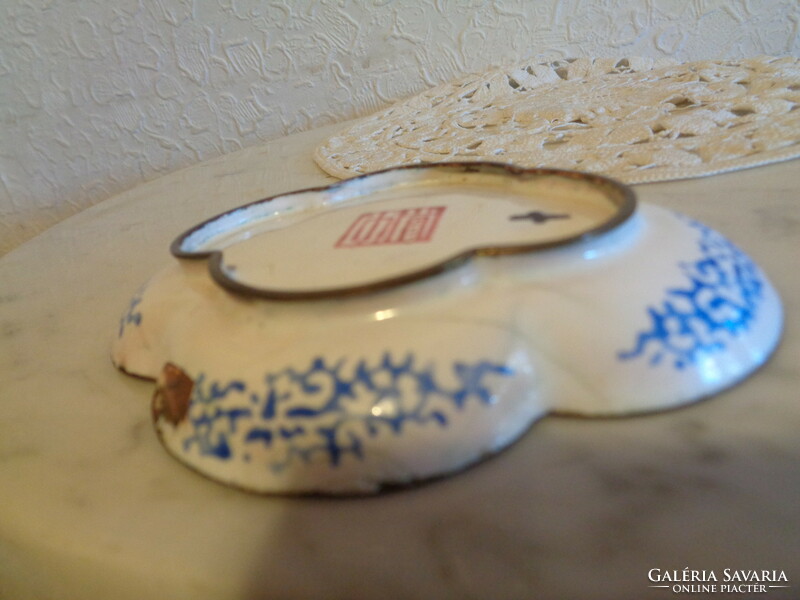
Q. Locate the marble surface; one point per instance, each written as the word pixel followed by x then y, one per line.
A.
pixel 92 507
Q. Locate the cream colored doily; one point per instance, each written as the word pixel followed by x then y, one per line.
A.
pixel 636 120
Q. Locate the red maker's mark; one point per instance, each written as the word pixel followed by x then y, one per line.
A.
pixel 405 226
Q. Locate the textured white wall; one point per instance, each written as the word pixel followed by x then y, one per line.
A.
pixel 97 96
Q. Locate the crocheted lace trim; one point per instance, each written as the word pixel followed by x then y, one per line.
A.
pixel 634 119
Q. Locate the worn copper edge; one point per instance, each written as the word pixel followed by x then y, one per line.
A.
pixel 618 193
pixel 172 396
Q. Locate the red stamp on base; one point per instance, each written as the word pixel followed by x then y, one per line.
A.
pixel 406 226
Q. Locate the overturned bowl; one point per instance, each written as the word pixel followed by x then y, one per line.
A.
pixel 404 324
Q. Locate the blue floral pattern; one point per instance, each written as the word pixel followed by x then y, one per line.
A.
pixel 297 415
pixel 719 301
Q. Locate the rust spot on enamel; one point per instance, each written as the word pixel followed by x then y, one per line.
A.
pixel 173 394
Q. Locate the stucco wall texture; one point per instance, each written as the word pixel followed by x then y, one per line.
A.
pixel 97 96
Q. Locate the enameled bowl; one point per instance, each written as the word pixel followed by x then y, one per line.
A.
pixel 404 324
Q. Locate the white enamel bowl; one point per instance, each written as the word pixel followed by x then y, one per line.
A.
pixel 405 324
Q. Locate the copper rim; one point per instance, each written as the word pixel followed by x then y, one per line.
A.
pixel 619 194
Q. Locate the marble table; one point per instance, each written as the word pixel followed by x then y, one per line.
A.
pixel 92 507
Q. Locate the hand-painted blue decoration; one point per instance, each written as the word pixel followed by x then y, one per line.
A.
pixel 206 414
pixel 718 302
pixel 132 316
pixel 300 414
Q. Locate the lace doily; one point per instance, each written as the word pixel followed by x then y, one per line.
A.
pixel 636 120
